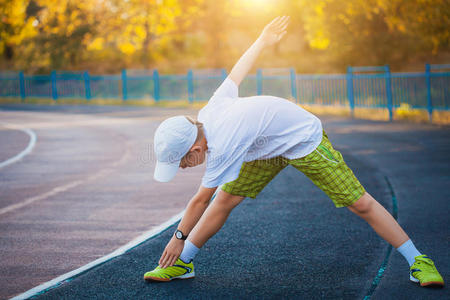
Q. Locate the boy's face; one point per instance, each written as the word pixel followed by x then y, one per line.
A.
pixel 195 157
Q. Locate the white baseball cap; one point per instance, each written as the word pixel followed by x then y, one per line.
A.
pixel 173 139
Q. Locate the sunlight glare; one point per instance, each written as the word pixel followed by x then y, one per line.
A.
pixel 252 4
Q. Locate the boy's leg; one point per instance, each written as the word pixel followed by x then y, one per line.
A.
pixel 253 177
pixel 214 217
pixel 380 219
pixel 209 224
pixel 422 268
pixel 326 168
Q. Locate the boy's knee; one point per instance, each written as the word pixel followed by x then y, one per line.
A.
pixel 227 200
pixel 363 205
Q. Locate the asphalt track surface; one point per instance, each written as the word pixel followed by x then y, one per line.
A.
pixel 290 242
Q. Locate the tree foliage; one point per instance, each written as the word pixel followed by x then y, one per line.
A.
pixel 380 31
pixel 174 35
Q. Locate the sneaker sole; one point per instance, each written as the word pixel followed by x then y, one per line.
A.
pixel 435 283
pixel 185 276
pixel 432 283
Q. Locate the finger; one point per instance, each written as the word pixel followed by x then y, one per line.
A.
pixel 281 35
pixel 164 262
pixel 283 22
pixel 274 21
pixel 174 259
pixel 169 261
pixel 161 264
pixel 284 28
pixel 280 29
pixel 162 258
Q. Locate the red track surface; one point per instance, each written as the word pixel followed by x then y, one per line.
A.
pixel 85 190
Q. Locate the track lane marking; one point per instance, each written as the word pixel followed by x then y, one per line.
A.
pixel 71 185
pixel 383 266
pixel 154 232
pixel 24 152
pixel 41 289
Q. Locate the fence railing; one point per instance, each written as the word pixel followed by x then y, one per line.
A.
pixel 370 87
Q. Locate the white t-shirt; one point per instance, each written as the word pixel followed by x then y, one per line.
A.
pixel 241 129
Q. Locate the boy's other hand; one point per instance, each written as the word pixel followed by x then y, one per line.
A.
pixel 171 253
pixel 274 31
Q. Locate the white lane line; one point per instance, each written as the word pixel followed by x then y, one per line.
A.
pixel 136 242
pixel 66 187
pixel 40 289
pixel 26 151
pixel 28 201
pixel 61 125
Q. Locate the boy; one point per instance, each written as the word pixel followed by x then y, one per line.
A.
pixel 248 141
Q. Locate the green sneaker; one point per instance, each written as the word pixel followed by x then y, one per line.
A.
pixel 180 270
pixel 424 271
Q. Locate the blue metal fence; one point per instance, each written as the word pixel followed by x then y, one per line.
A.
pixel 371 87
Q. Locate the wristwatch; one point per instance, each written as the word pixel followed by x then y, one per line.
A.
pixel 179 235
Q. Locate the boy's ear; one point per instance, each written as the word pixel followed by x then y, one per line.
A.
pixel 196 148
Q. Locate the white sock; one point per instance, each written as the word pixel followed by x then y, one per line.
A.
pixel 409 251
pixel 189 252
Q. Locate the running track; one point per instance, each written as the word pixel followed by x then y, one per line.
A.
pixel 290 242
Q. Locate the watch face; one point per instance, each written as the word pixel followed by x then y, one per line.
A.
pixel 179 235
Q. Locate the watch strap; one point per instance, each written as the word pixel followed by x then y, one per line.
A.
pixel 178 233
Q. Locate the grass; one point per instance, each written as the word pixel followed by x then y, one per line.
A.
pixel 402 113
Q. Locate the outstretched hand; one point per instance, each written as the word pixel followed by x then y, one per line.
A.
pixel 274 31
pixel 171 253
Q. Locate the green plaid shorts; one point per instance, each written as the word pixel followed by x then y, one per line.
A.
pixel 324 166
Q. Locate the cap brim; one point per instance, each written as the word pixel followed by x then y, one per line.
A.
pixel 165 172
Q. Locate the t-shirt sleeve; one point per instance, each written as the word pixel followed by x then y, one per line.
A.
pixel 228 88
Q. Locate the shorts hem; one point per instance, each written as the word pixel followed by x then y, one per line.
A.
pixel 253 196
pixel 347 204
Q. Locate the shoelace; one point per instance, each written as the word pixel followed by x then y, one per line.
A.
pixel 425 260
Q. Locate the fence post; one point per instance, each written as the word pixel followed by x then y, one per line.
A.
pixel 293 84
pixel 190 83
pixel 156 85
pixel 54 90
pixel 87 85
pixel 350 90
pixel 124 85
pixel 389 91
pixel 259 82
pixel 224 74
pixel 429 100
pixel 22 85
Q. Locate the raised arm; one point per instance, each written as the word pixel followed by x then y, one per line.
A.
pixel 271 34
